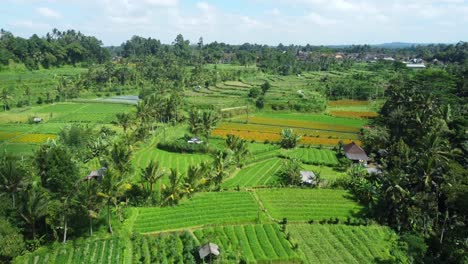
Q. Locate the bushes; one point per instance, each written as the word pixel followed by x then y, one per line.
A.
pixel 181 146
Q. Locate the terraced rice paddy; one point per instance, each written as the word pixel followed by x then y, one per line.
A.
pixel 313 156
pixel 15 129
pixel 164 248
pixel 273 137
pixel 168 160
pixel 33 138
pixel 316 129
pixel 308 204
pixel 203 209
pixel 254 243
pixel 259 174
pixel 97 251
pixel 353 114
pixel 332 244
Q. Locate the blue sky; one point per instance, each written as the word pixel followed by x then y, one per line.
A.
pixel 238 21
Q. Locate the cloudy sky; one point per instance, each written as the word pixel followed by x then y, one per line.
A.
pixel 239 21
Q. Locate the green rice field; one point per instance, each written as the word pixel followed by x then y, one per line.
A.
pixel 308 204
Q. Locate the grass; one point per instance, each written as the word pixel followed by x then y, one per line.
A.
pixel 203 209
pixel 262 173
pixel 327 174
pixel 343 244
pixel 308 204
pixel 254 243
pixel 90 251
pixel 313 156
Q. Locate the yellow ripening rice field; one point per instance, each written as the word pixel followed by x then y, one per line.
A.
pixel 33 138
pixel 8 135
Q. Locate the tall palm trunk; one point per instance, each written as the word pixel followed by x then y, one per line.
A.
pixel 90 226
pixel 65 229
pixel 108 217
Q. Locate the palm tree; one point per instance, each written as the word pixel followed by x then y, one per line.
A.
pixel 196 175
pixel 112 187
pixel 173 192
pixel 209 119
pixel 221 164
pixel 239 148
pixel 13 177
pixel 91 202
pixel 288 138
pixel 125 120
pixel 34 206
pixel 151 174
pixel 120 156
pixel 6 96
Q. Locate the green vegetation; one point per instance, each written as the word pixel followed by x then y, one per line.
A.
pixel 250 243
pixel 262 173
pixel 116 181
pixel 302 205
pixel 313 156
pixel 202 209
pixel 344 244
pixel 89 251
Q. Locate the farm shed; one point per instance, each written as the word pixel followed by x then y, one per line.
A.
pixel 209 249
pixel 308 177
pixel 37 119
pixel 96 174
pixel 194 141
pixel 355 153
pixel 415 66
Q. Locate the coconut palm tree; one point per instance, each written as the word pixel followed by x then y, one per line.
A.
pixel 288 138
pixel 112 187
pixel 13 177
pixel 6 97
pixel 34 206
pixel 151 175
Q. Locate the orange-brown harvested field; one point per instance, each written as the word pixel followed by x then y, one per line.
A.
pixel 353 114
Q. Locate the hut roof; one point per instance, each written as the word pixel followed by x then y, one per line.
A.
pixel 354 152
pixel 208 249
pixel 308 177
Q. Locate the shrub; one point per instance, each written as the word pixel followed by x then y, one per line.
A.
pixel 181 146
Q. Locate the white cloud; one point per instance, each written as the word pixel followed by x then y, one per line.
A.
pixel 29 24
pixel 49 13
pixel 320 20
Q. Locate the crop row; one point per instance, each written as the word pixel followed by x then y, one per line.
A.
pixel 8 135
pixel 252 243
pixel 165 248
pixel 323 122
pixel 273 137
pixel 33 138
pixel 97 251
pixel 259 174
pixel 202 209
pixel 313 156
pixel 343 244
pixel 354 114
pixel 308 204
pixel 348 103
pixel 266 128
